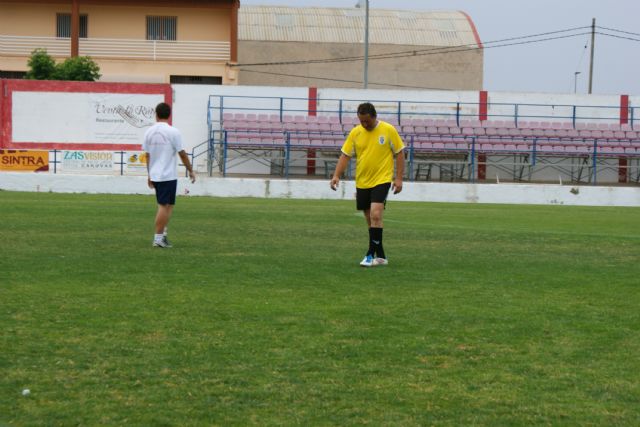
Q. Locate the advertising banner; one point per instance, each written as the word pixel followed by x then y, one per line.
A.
pixel 136 163
pixel 87 161
pixel 24 160
pixel 94 118
pixel 79 115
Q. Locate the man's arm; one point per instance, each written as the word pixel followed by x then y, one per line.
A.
pixel 343 161
pixel 185 160
pixel 397 183
pixel 149 182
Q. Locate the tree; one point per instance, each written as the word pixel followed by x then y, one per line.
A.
pixel 43 67
pixel 80 68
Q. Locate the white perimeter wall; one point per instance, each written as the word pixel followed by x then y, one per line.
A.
pixel 190 103
pixel 319 189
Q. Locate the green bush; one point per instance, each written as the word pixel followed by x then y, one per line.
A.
pixel 43 67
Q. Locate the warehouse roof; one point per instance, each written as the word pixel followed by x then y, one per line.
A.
pixel 336 25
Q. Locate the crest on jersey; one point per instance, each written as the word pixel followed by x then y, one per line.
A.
pixel 381 140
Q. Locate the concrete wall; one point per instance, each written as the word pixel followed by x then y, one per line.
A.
pixel 313 189
pixel 459 71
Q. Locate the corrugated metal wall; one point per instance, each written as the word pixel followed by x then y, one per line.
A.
pixel 332 25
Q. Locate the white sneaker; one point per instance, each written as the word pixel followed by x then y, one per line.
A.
pixel 380 261
pixel 367 261
pixel 161 244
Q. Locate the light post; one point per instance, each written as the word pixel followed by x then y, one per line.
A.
pixel 366 40
pixel 575 81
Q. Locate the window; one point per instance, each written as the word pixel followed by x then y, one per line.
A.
pixel 63 25
pixel 12 74
pixel 196 80
pixel 162 27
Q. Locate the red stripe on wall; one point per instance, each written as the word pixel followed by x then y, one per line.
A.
pixel 473 28
pixel 2 119
pixel 623 171
pixel 624 109
pixel 482 105
pixel 312 110
pixel 482 166
pixel 313 100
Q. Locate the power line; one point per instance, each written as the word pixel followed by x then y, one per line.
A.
pixel 618 31
pixel 336 80
pixel 419 52
pixel 617 37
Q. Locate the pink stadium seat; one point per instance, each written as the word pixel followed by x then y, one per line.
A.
pixel 252 117
pixel 467 131
pixel 619 134
pixel 239 116
pixel 419 129
pixel 227 116
pixel 607 134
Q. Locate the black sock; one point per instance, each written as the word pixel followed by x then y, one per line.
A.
pixel 372 246
pixel 376 240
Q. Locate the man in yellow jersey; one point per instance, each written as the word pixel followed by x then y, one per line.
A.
pixel 374 144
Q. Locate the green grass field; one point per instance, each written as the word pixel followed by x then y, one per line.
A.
pixel 260 315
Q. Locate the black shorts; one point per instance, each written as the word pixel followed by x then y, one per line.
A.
pixel 366 196
pixel 166 192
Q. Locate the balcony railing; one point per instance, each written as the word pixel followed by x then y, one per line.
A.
pixel 149 50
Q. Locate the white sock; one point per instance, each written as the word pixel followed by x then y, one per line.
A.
pixel 164 233
pixel 157 237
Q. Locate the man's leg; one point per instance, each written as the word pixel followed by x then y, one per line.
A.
pixel 377 211
pixel 162 217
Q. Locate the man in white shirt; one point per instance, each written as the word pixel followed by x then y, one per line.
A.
pixel 161 144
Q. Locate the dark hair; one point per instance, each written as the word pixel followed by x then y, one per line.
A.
pixel 163 110
pixel 367 108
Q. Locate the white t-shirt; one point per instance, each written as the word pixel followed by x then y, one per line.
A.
pixel 162 141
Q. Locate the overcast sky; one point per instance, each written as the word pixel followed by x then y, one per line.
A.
pixel 545 66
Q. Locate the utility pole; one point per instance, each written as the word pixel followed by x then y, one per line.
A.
pixel 366 45
pixel 593 41
pixel 366 40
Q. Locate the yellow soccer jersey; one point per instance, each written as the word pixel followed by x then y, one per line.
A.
pixel 374 152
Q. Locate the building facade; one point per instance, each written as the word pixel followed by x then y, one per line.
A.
pixel 324 47
pixel 158 41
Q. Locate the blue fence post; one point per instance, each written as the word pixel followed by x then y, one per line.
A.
pixel 399 112
pixel 515 114
pixel 458 114
pixel 281 107
pixel 121 162
pixel 221 108
pixel 340 110
pixel 595 163
pixel 632 110
pixel 411 158
pixel 224 153
pixel 287 154
pixel 573 118
pixel 533 159
pixel 472 168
